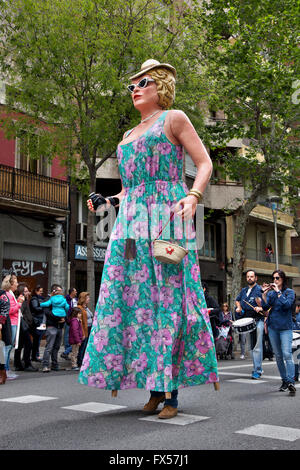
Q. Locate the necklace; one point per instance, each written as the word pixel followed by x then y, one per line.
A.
pixel 149 117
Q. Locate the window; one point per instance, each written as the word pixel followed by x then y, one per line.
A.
pixel 209 247
pixel 27 153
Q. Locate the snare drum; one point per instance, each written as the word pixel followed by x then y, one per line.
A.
pixel 244 325
pixel 296 341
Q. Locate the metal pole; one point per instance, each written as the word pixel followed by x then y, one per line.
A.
pixel 275 210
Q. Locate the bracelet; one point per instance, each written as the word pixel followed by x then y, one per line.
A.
pixel 195 192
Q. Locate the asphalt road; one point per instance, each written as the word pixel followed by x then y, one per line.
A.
pixel 245 414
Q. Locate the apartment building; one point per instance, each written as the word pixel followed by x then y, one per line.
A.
pixel 34 213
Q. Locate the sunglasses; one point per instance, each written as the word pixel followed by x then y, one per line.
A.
pixel 142 84
pixel 276 278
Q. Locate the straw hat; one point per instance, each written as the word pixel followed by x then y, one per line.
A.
pixel 152 64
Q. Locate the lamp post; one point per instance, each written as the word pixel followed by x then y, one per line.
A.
pixel 274 203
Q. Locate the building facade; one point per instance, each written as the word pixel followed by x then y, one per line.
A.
pixel 34 213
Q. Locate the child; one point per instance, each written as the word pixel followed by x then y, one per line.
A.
pixel 75 334
pixel 58 304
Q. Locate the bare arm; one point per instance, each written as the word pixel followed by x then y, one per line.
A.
pixel 184 132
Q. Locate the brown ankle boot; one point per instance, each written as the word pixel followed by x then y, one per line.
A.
pixel 168 412
pixel 2 376
pixel 153 403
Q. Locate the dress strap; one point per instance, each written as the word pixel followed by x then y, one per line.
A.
pixel 128 132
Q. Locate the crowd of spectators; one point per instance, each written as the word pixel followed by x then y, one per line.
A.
pixel 27 318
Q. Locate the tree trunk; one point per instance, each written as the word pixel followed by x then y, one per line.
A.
pixel 90 250
pixel 239 245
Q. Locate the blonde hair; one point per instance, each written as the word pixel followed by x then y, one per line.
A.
pixel 8 281
pixel 82 298
pixel 165 82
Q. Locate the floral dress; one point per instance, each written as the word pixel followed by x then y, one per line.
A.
pixel 151 328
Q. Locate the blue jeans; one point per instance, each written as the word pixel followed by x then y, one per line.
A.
pixel 68 347
pixel 171 402
pixel 7 349
pixel 257 351
pixel 281 341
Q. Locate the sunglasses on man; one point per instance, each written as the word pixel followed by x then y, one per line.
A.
pixel 141 84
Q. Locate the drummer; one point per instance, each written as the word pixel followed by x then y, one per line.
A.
pixel 248 305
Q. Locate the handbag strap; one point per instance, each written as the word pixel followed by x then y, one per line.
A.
pixel 170 218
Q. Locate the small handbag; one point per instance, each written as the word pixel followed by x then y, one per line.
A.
pixel 167 252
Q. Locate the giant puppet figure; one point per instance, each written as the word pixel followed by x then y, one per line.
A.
pixel 151 328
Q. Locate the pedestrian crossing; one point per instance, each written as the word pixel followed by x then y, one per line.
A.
pixel 259 430
pixel 182 419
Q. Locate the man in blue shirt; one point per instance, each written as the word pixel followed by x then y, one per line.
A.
pixel 247 306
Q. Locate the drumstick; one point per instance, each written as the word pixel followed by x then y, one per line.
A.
pixel 251 306
pixel 248 304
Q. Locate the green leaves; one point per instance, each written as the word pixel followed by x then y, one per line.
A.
pixel 69 63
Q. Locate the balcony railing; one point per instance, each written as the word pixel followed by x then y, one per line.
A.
pixel 24 186
pixel 261 256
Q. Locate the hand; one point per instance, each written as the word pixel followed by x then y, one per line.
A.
pixel 90 206
pixel 238 309
pixel 186 207
pixel 62 320
pixel 258 309
pixel 275 287
pixel 21 299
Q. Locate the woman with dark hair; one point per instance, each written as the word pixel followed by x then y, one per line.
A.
pixel 26 330
pixel 38 318
pixel 87 316
pixel 280 299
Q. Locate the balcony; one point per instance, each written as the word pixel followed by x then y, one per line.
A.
pixel 261 256
pixel 257 261
pixel 31 192
pixel 223 195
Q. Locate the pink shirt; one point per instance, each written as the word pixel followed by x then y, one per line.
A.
pixel 14 308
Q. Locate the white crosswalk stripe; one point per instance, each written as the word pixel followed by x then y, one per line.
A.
pixel 94 407
pixel 28 399
pixel 272 432
pixel 247 381
pixel 181 419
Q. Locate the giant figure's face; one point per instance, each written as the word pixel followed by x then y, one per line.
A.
pixel 143 97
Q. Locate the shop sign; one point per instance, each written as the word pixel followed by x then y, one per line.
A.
pixel 81 253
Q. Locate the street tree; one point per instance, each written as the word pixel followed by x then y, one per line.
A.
pixel 67 64
pixel 251 56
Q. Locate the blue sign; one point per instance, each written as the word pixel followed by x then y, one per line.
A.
pixel 81 253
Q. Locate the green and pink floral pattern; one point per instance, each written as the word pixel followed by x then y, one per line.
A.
pixel 151 328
